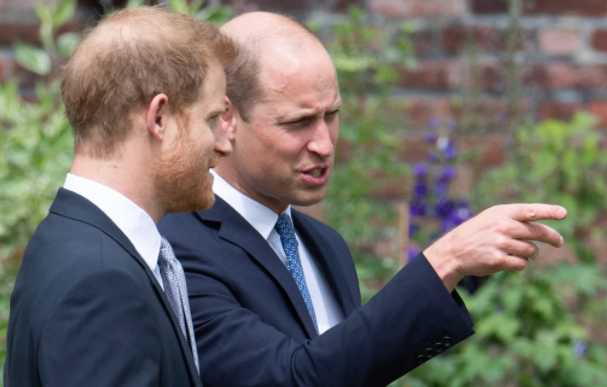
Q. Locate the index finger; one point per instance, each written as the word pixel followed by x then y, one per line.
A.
pixel 528 212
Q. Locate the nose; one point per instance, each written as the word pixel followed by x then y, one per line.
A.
pixel 323 140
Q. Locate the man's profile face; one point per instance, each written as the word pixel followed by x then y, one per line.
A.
pixel 183 172
pixel 284 154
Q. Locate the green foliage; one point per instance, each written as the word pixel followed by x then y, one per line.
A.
pixel 534 328
pixel 525 336
pixel 555 162
pixel 367 58
pixel 36 139
pixel 37 151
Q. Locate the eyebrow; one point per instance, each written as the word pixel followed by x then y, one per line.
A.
pixel 306 113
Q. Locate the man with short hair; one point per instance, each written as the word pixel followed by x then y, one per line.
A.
pixel 274 294
pixel 100 299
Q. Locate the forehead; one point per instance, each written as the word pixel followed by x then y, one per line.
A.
pixel 296 82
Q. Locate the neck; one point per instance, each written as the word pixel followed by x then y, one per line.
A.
pixel 231 176
pixel 128 178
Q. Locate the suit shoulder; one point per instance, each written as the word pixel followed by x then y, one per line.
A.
pixel 182 225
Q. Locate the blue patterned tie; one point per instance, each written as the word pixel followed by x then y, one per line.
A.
pixel 285 230
pixel 176 291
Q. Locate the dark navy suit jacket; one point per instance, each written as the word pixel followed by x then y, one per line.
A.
pixel 87 311
pixel 251 322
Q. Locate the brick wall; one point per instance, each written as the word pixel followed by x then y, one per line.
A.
pixel 559 52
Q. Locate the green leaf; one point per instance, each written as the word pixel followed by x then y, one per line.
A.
pixel 63 12
pixel 67 43
pixel 33 59
pixel 180 6
pixel 135 3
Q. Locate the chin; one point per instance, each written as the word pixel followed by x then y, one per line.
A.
pixel 309 200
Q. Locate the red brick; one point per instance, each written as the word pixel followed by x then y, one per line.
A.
pixel 490 150
pixel 567 75
pixel 488 6
pixel 286 6
pixel 420 111
pixel 599 109
pixel 486 75
pixel 423 42
pixel 558 110
pixel 418 8
pixel 343 5
pixel 427 75
pixel 455 38
pixel 559 41
pixel 7 67
pixel 591 8
pixel 489 75
pixel 599 40
pixel 413 148
pixel 15 32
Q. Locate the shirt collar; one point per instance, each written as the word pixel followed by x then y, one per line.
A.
pixel 262 218
pixel 132 220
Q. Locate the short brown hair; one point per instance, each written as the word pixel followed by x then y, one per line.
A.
pixel 130 57
pixel 243 86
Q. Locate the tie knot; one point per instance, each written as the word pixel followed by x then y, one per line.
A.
pixel 284 227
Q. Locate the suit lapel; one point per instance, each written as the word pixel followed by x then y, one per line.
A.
pixel 235 229
pixel 327 259
pixel 72 205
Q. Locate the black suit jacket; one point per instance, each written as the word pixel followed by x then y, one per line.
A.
pixel 87 311
pixel 251 322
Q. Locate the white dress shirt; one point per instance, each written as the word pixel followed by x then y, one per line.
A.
pixel 263 220
pixel 132 220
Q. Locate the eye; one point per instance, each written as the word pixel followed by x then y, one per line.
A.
pixel 332 114
pixel 214 121
pixel 299 123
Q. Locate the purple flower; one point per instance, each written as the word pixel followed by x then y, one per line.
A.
pixel 447 174
pixel 434 123
pixel 417 208
pixel 462 212
pixel 444 208
pixel 431 137
pixel 450 152
pixel 420 170
pixel 447 224
pixel 440 190
pixel 420 189
pixel 412 252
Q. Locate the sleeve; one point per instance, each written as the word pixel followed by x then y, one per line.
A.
pixel 101 333
pixel 409 321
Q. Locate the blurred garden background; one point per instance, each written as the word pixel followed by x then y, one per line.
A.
pixel 449 106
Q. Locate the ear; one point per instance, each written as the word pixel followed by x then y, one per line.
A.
pixel 228 120
pixel 156 116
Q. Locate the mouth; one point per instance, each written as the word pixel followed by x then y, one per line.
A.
pixel 315 176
